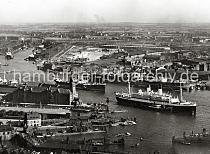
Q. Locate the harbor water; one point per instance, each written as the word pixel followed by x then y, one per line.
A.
pixel 155 128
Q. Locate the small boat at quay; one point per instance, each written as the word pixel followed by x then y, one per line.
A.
pixel 125 123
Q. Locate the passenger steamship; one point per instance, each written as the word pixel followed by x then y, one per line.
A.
pixel 156 101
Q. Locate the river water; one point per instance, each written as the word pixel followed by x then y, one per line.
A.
pixel 156 128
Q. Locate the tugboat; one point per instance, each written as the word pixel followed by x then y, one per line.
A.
pixel 91 82
pixel 199 138
pixel 156 101
pixel 8 56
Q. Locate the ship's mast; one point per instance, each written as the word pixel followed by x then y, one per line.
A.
pixel 129 87
pixel 5 61
pixel 160 90
pixel 74 92
pixel 5 80
pixel 40 104
pixel 4 76
pixel 181 94
pixel 70 97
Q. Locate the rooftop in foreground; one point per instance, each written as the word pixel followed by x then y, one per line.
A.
pixel 39 110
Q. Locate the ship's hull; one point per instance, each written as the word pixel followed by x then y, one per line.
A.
pixel 175 86
pixel 79 136
pixel 88 87
pixel 150 105
pixel 196 144
pixel 165 85
pixel 196 139
pixel 91 87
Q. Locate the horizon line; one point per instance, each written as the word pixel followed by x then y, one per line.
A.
pixel 120 22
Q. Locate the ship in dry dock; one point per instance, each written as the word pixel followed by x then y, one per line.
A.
pixel 156 101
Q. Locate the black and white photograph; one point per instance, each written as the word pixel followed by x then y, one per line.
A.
pixel 104 77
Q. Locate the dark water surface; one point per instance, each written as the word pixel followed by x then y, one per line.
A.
pixel 156 128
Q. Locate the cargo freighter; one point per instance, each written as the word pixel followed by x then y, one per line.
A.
pixel 158 101
pixel 192 143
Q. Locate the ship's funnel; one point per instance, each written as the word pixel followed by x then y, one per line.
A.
pixel 71 97
pixel 148 89
pixel 129 87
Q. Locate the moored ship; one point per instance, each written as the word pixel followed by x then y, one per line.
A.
pixel 166 85
pixel 156 101
pixel 86 82
pixel 193 138
pixel 142 82
pixel 91 86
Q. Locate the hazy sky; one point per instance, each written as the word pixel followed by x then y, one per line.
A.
pixel 30 11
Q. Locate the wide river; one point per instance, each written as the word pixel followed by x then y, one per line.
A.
pixel 156 128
